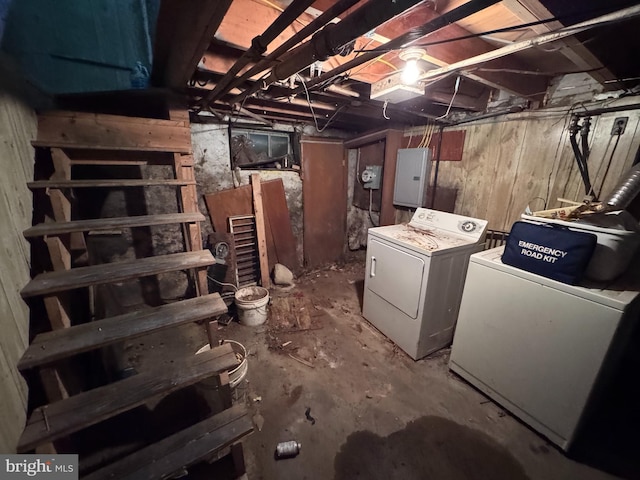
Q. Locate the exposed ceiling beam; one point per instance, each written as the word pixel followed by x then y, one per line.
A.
pixel 572 49
pixel 184 32
pixel 445 54
pixel 620 15
pixel 259 46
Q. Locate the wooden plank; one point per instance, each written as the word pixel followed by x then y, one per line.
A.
pixel 59 228
pixel 184 34
pixel 53 385
pixel 110 132
pixel 108 183
pixel 57 311
pixel 188 199
pixel 52 346
pixel 73 117
pixel 60 256
pixel 324 178
pixel 452 145
pixel 61 164
pixel 88 408
pixel 60 205
pixel 260 229
pixel 279 224
pixel 53 282
pixel 238 201
pixel 228 203
pixel 182 449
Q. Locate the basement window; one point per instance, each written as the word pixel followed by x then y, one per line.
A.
pixel 261 149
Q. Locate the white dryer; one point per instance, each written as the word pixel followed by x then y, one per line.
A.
pixel 415 275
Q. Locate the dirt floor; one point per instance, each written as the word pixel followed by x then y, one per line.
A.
pixel 322 375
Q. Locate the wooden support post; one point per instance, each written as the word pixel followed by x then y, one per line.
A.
pixel 60 205
pixel 188 200
pixel 224 390
pixel 260 229
pixel 53 385
pixel 238 459
pixel 61 164
pixel 57 311
pixel 59 253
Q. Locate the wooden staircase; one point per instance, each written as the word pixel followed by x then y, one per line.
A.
pixel 107 140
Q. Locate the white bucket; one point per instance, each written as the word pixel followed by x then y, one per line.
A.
pixel 252 305
pixel 237 374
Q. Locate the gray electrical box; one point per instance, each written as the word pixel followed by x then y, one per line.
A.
pixel 412 176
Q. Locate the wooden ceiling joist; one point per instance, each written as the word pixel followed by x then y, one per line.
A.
pixel 184 32
pixel 445 54
pixel 572 49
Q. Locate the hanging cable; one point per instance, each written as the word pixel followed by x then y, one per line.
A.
pixel 222 283
pixel 384 110
pixel 313 113
pixel 453 97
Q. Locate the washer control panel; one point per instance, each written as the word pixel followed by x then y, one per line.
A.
pixel 426 219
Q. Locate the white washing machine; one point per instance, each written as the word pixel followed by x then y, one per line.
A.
pixel 415 276
pixel 540 348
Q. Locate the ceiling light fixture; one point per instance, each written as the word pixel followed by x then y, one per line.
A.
pixel 411 71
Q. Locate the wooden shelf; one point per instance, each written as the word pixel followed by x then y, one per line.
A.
pixel 181 449
pixel 63 280
pixel 62 418
pixel 50 347
pixel 59 228
pixel 111 183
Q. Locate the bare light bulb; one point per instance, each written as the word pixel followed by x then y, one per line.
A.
pixel 410 73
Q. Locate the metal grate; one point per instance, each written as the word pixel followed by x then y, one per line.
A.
pixel 495 238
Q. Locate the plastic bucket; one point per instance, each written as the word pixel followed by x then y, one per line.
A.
pixel 252 305
pixel 237 375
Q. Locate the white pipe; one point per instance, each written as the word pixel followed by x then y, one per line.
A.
pixel 625 13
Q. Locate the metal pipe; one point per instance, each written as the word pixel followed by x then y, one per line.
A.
pixel 625 191
pixel 435 176
pixel 404 40
pixel 259 46
pixel 600 111
pixel 624 14
pixel 326 42
pixel 319 22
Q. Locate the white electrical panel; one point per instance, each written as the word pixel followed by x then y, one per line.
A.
pixel 412 176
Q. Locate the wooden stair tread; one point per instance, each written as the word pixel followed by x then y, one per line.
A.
pixel 109 183
pixel 181 449
pixel 58 228
pixel 52 346
pixel 62 418
pixel 60 281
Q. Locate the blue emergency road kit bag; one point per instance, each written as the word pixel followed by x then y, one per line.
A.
pixel 553 251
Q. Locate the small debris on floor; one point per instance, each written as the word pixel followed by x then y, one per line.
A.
pixel 258 421
pixel 307 414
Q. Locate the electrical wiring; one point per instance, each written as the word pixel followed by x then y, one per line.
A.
pixel 453 97
pixel 384 110
pixel 313 113
pixel 491 32
pixel 222 283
